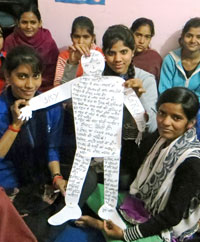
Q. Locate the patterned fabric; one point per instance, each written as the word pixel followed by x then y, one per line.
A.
pixel 150 185
pixel 153 183
pixel 132 233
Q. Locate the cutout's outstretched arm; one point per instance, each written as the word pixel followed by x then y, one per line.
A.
pixel 135 107
pixel 46 99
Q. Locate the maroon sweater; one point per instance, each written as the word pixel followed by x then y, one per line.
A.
pixel 150 61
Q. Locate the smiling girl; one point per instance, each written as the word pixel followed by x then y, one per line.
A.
pixel 30 32
pixel 29 157
pixel 181 67
pixel 118 48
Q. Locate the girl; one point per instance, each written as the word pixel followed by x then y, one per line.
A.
pixel 29 160
pixel 181 67
pixel 118 48
pixel 164 197
pixel 68 67
pixel 144 57
pixel 30 32
pixel 83 39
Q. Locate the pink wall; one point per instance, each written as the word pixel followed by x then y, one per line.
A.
pixel 169 16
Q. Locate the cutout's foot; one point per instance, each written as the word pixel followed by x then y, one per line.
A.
pixel 109 213
pixel 65 214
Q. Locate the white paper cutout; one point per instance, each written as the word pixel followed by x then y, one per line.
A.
pixel 46 99
pixel 98 109
pixel 60 217
pixel 135 107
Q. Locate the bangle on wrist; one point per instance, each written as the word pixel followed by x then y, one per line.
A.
pixel 55 177
pixel 56 174
pixel 10 127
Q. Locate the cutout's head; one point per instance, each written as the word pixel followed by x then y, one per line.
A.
pixel 94 64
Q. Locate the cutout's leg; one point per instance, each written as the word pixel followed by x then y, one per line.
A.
pixel 111 180
pixel 73 192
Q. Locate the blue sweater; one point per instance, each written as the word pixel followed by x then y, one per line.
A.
pixel 173 74
pixel 8 177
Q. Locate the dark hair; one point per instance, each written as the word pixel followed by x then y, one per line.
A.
pixel 30 8
pixel 181 95
pixel 114 34
pixel 192 23
pixel 23 55
pixel 1 30
pixel 141 22
pixel 83 22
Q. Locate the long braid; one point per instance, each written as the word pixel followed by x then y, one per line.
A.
pixel 131 70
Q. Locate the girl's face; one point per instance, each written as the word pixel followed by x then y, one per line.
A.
pixel 142 37
pixel 191 40
pixel 24 82
pixel 1 39
pixel 172 121
pixel 29 24
pixel 119 57
pixel 82 36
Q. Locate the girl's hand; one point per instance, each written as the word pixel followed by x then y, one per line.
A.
pixel 112 230
pixel 87 221
pixel 76 51
pixel 15 110
pixel 136 84
pixel 61 184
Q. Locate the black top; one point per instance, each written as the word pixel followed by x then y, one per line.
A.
pixel 184 187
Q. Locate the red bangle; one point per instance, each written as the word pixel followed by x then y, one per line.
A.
pixel 10 127
pixel 56 178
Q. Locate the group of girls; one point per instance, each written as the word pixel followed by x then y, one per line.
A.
pixel 165 190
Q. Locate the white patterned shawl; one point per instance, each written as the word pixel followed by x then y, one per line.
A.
pixel 154 179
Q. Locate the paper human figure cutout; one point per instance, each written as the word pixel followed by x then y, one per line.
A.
pixel 98 110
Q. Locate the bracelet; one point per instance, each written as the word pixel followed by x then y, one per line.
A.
pixel 56 177
pixel 56 174
pixel 10 127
